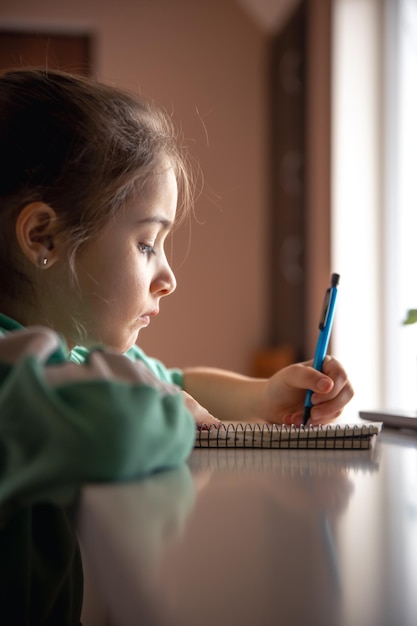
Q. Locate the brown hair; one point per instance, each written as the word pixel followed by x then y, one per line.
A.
pixel 80 146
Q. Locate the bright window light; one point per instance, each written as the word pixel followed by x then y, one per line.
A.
pixel 401 211
pixel 356 197
pixel 374 229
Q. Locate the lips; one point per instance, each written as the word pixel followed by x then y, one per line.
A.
pixel 145 319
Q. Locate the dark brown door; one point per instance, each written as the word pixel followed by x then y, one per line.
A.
pixel 69 52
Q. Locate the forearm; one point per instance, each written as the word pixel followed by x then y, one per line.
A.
pixel 226 395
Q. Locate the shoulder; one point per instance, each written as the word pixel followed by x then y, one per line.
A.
pixel 168 375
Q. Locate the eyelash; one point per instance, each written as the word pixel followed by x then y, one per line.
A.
pixel 146 249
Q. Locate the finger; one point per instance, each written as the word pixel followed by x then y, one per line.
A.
pixel 333 369
pixel 324 417
pixel 200 414
pixel 295 419
pixel 206 420
pixel 337 396
pixel 327 409
pixel 300 376
pixel 332 408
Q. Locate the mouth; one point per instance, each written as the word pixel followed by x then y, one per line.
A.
pixel 146 318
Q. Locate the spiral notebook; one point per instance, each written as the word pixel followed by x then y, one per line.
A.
pixel 331 436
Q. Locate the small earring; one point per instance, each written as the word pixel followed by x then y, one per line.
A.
pixel 43 261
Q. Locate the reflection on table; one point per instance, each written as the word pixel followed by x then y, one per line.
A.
pixel 41 579
pixel 273 536
pixel 235 537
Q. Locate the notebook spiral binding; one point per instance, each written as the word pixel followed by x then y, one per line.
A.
pixel 332 436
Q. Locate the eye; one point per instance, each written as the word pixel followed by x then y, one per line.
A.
pixel 146 249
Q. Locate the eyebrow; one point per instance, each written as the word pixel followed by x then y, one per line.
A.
pixel 156 220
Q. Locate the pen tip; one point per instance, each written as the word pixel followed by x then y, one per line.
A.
pixel 306 417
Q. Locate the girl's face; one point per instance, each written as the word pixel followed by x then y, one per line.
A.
pixel 123 273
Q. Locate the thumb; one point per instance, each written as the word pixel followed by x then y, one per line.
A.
pixel 322 383
pixel 304 376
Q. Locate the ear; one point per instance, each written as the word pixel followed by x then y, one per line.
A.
pixel 36 232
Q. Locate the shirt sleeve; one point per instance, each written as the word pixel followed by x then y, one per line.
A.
pixel 108 419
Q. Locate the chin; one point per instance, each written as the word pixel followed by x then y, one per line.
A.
pixel 128 344
pixel 122 343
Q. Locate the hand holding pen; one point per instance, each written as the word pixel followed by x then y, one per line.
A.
pixel 282 399
pixel 325 327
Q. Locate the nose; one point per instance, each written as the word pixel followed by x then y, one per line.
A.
pixel 164 282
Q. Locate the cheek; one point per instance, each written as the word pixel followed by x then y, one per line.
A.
pixel 117 279
pixel 129 283
pixel 140 283
pixel 102 285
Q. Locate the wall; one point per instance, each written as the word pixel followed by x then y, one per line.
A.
pixel 205 62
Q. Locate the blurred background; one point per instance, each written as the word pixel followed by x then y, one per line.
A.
pixel 301 116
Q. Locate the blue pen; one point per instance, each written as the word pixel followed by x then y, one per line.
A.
pixel 325 327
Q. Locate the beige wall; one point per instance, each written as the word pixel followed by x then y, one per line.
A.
pixel 204 60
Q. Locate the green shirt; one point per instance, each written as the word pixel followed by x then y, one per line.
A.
pixel 66 419
pixel 79 417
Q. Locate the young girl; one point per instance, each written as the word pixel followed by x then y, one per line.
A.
pixel 90 180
